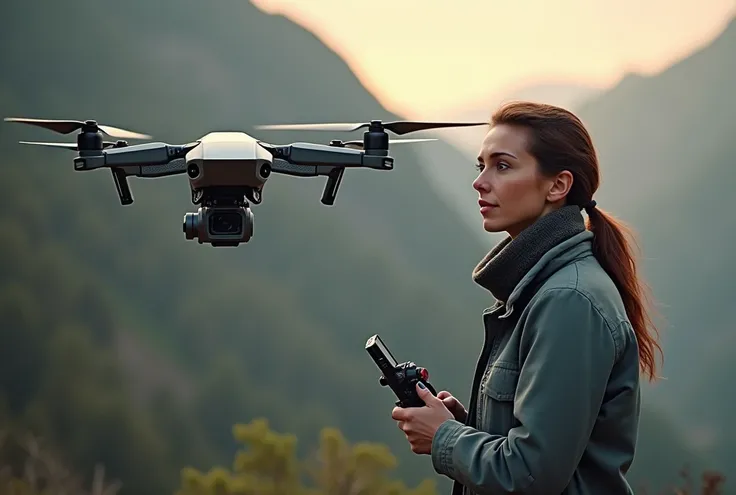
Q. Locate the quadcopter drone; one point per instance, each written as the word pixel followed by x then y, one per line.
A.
pixel 227 170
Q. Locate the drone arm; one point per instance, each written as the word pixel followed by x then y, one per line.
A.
pixel 281 166
pixel 140 154
pixel 174 167
pixel 334 176
pixel 320 154
pixel 147 154
pixel 120 175
pixel 305 154
pixel 142 160
pixel 310 160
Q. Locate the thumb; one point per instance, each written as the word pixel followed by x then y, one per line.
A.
pixel 426 395
pixel 450 402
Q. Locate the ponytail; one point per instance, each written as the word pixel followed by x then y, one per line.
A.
pixel 613 252
pixel 559 141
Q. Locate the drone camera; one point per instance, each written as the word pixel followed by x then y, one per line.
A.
pixel 220 226
pixel 401 378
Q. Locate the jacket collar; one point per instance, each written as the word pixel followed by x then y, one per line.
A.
pixel 578 246
pixel 542 248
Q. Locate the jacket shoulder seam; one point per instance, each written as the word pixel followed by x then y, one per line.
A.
pixel 612 330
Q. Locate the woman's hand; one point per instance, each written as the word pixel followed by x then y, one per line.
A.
pixel 419 424
pixel 453 405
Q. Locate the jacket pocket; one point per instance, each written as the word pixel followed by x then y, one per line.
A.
pixel 497 395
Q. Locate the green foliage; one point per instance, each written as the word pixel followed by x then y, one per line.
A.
pixel 269 466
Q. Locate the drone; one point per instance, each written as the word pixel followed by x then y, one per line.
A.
pixel 227 170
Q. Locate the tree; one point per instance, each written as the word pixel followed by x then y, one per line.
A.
pixel 269 466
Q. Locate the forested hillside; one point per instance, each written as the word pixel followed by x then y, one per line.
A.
pixel 124 343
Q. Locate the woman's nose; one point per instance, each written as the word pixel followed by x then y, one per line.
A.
pixel 479 184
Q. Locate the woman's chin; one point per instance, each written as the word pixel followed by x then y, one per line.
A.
pixel 493 226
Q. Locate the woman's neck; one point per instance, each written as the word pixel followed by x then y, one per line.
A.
pixel 505 265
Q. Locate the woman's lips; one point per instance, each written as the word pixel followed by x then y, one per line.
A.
pixel 485 206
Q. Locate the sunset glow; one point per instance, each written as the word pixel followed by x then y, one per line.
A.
pixel 420 57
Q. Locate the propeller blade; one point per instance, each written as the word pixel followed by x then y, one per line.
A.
pixel 68 126
pixel 407 126
pixel 311 127
pixel 69 146
pixel 397 127
pixel 359 144
pixel 60 126
pixel 122 133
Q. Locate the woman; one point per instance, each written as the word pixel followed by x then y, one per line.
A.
pixel 555 401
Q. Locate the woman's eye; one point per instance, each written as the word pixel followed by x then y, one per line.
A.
pixel 479 166
pixel 502 165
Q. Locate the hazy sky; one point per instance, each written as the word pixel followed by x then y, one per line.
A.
pixel 423 56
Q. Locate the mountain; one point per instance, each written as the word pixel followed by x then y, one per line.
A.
pixel 566 94
pixel 140 349
pixel 666 145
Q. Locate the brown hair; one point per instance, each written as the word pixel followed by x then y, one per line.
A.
pixel 559 141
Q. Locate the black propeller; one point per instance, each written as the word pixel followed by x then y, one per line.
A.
pixel 69 126
pixel 397 127
pixel 359 144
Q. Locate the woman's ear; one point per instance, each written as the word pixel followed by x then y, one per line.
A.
pixel 560 186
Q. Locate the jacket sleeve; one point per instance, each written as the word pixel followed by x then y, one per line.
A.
pixel 567 352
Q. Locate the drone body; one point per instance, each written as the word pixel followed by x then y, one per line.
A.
pixel 233 158
pixel 224 169
pixel 228 170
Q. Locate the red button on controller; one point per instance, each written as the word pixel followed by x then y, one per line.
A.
pixel 424 374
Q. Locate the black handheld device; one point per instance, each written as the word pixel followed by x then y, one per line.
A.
pixel 402 378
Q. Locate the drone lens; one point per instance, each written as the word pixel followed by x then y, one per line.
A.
pixel 191 225
pixel 230 223
pixel 193 170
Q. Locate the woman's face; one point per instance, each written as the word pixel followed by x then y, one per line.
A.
pixel 512 193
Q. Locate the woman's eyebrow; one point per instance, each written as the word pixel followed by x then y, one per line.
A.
pixel 496 154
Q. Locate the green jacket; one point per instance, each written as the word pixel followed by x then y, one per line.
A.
pixel 556 400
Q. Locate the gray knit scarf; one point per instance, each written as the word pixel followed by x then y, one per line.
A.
pixel 506 264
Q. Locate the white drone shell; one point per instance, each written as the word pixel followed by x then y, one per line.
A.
pixel 228 158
